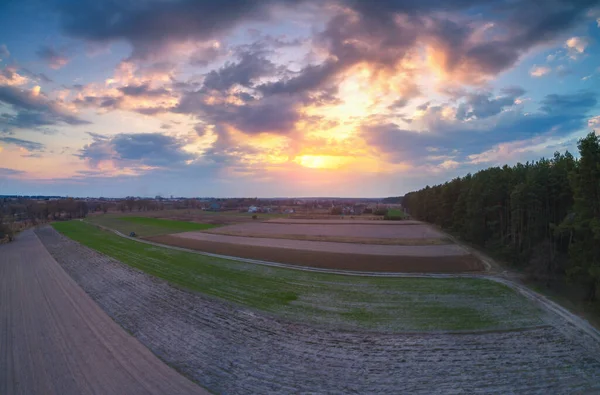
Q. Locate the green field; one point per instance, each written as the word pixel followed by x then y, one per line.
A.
pixel 395 214
pixel 380 304
pixel 147 226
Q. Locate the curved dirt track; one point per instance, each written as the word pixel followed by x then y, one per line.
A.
pixel 232 349
pixel 54 339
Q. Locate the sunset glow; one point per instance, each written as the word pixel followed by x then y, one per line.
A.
pixel 398 95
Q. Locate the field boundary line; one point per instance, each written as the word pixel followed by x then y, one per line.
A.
pixel 537 298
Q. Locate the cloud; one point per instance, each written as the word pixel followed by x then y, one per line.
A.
pixel 576 46
pixel 539 71
pixel 9 76
pixel 310 78
pixel 483 104
pixel 54 58
pixel 207 54
pixel 136 150
pixel 522 150
pixel 34 109
pixel 142 90
pixel 564 104
pixel 453 139
pixel 6 172
pixel 28 145
pixel 275 114
pixel 152 25
pixel 251 66
pixel 4 53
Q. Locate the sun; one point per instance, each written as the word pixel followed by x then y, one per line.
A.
pixel 321 161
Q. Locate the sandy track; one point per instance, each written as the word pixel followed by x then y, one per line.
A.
pixel 324 246
pixel 54 339
pixel 375 231
pixel 231 349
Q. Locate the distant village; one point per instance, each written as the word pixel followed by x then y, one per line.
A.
pixel 20 207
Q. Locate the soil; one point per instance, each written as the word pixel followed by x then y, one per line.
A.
pixel 346 221
pixel 231 349
pixel 56 340
pixel 330 260
pixel 375 231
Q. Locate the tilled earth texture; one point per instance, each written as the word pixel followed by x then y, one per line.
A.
pixel 56 340
pixel 374 229
pixel 345 256
pixel 231 349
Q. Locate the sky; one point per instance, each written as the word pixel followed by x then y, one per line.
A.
pixel 265 98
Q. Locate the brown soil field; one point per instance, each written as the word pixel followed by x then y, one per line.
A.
pixel 333 239
pixel 346 221
pixel 350 230
pixel 323 246
pixel 331 260
pixel 57 340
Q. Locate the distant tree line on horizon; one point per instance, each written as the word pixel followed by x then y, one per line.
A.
pixel 542 217
pixel 17 214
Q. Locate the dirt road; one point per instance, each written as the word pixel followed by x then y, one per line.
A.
pixel 54 339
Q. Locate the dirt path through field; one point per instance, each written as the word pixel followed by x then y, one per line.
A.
pixel 236 350
pixel 54 339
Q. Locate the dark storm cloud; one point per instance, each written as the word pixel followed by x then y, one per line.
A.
pixel 521 24
pixel 309 78
pixel 54 58
pixel 28 145
pixel 381 33
pixel 251 66
pixel 142 90
pixel 149 149
pixel 455 140
pixel 146 24
pixel 273 114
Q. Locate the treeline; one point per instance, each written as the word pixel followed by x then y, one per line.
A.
pixel 392 200
pixel 20 213
pixel 541 216
pixel 23 208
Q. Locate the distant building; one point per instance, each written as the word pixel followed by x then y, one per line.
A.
pixel 252 209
